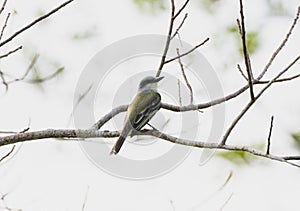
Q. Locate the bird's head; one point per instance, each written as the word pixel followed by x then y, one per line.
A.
pixel 149 83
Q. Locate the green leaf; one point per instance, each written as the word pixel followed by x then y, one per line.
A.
pixel 232 29
pixel 236 157
pixel 150 5
pixel 252 42
pixel 84 35
pixel 239 157
pixel 209 5
pixel 296 138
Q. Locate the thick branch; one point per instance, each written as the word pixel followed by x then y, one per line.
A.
pixel 82 134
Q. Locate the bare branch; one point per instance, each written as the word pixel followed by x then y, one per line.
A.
pixel 269 137
pixel 85 198
pixel 91 133
pixel 243 112
pixel 10 52
pixel 241 71
pixel 179 92
pixel 168 41
pixel 226 202
pixel 245 51
pixel 297 157
pixel 280 80
pixel 280 46
pixel 34 22
pixel 179 27
pixel 4 26
pixel 3 80
pixel 108 116
pixel 181 9
pixel 185 78
pixel 188 52
pixel 8 154
pixel 31 65
pixel 3 6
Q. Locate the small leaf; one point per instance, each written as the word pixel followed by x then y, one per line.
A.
pixel 209 5
pixel 84 35
pixel 252 42
pixel 236 157
pixel 296 137
pixel 239 157
pixel 150 5
pixel 232 29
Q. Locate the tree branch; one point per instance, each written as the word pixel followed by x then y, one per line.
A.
pixel 186 53
pixel 91 133
pixel 280 46
pixel 245 51
pixel 34 22
pixel 4 26
pixel 10 52
pixel 168 41
pixel 243 112
pixel 269 136
pixel 3 6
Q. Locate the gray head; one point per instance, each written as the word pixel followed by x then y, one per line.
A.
pixel 149 83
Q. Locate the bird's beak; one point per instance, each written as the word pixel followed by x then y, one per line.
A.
pixel 158 79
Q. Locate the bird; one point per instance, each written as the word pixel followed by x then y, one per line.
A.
pixel 142 108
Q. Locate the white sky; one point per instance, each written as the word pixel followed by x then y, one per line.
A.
pixel 56 175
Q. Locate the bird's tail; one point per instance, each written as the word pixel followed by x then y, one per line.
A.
pixel 118 145
pixel 116 148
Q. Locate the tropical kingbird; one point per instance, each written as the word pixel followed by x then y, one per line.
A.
pixel 141 109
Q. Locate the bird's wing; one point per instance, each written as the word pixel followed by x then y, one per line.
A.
pixel 150 105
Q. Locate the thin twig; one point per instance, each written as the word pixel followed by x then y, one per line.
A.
pixel 243 112
pixel 245 51
pixel 185 78
pixel 46 78
pixel 195 107
pixel 8 154
pixel 10 52
pixel 280 46
pixel 295 157
pixel 179 27
pixel 4 26
pixel 3 6
pixel 241 71
pixel 30 66
pixel 269 136
pixel 226 202
pixel 186 53
pixel 280 80
pixel 168 41
pixel 181 9
pixel 85 198
pixel 179 92
pixel 3 80
pixel 34 22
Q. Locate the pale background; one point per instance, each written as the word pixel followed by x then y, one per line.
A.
pixel 53 175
